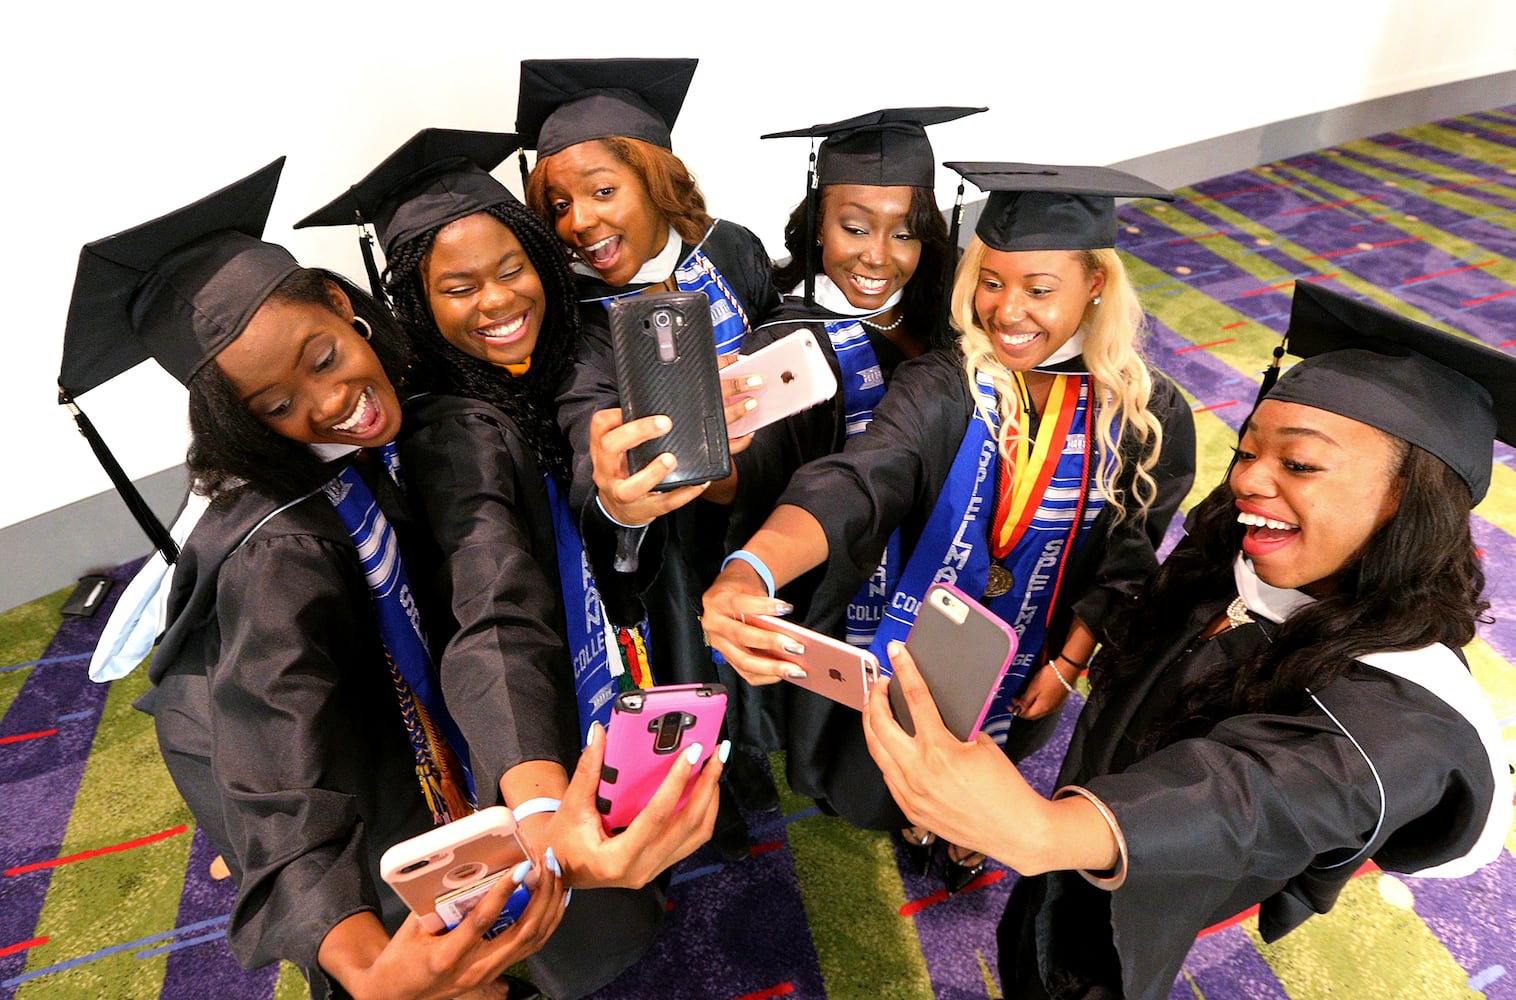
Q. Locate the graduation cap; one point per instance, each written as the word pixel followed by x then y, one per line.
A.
pixel 178 289
pixel 438 176
pixel 884 148
pixel 1444 393
pixel 1034 206
pixel 562 102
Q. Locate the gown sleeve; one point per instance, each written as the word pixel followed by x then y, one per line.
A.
pixel 743 260
pixel 286 732
pixel 505 671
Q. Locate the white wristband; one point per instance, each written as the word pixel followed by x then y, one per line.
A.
pixel 532 807
pixel 759 567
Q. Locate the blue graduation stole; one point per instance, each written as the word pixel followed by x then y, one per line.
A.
pixel 862 389
pixel 594 682
pixel 729 322
pixel 955 544
pixel 442 762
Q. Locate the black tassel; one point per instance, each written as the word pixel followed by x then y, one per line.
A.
pixel 812 196
pixel 366 247
pixel 521 164
pixel 1270 375
pixel 141 512
pixel 950 266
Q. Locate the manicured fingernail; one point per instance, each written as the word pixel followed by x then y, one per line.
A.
pixel 566 897
pixel 551 860
pixel 895 646
pixel 662 423
pixel 724 750
pixel 667 460
pixel 793 648
pixel 783 607
pixel 596 730
pixel 749 405
pixel 693 754
pixel 521 871
pixel 752 381
pixel 795 674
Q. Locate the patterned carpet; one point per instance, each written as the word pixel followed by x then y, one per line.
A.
pixel 104 890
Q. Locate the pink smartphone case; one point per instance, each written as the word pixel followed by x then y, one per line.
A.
pixel 647 732
pixel 834 669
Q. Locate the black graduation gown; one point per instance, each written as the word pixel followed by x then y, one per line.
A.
pixel 1268 809
pixel 504 657
pixel 685 548
pixel 273 702
pixel 889 477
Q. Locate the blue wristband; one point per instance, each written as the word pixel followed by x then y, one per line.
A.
pixel 743 555
pixel 532 807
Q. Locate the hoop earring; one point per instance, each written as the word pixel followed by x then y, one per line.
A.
pixel 364 330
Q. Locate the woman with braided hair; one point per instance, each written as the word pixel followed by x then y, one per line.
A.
pixel 485 294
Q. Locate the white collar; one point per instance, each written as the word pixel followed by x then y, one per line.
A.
pixel 1269 602
pixel 332 452
pixel 834 299
pixel 653 270
pixel 1072 348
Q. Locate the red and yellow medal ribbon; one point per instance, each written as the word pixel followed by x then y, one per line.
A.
pixel 1024 479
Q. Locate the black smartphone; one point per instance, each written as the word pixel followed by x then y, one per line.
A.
pixel 666 363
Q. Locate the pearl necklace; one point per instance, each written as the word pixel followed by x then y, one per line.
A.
pixel 882 328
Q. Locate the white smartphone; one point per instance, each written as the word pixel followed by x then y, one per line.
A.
pixel 442 873
pixel 795 374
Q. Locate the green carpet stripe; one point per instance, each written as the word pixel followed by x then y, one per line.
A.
pixel 853 896
pixel 25 632
pixel 1331 955
pixel 1243 256
pixel 125 793
pixel 1366 154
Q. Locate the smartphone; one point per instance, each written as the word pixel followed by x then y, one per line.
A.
pixel 796 376
pixel 443 873
pixel 666 363
pixel 834 669
pixel 963 651
pixel 647 731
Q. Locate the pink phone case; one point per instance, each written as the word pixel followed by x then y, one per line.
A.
pixel 834 669
pixel 451 857
pixel 796 376
pixel 963 652
pixel 647 732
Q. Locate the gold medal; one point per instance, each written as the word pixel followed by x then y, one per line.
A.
pixel 1000 581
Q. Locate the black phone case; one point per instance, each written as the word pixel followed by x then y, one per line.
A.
pixel 666 363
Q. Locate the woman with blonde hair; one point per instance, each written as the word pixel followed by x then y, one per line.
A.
pixel 1068 457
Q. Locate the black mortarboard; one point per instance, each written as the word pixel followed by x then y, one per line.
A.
pixel 1034 206
pixel 882 148
pixel 177 289
pixel 1441 392
pixel 438 176
pixel 562 102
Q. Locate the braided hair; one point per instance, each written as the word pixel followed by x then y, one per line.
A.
pixel 530 399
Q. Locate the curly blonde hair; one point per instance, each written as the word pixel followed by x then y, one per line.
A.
pixel 1120 380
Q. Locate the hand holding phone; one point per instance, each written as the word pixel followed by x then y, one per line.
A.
pixel 833 669
pixel 443 873
pixel 962 651
pixel 795 376
pixel 647 731
pixel 666 363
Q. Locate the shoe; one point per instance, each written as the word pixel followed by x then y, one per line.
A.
pixel 730 838
pixel 957 873
pixel 751 782
pixel 918 849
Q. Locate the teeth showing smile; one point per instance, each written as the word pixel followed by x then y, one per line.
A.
pixel 359 415
pixel 1257 521
pixel 602 251
pixel 1018 339
pixel 869 286
pixel 503 331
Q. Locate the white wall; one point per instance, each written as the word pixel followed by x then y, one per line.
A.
pixel 128 111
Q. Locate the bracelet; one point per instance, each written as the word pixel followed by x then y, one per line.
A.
pixel 620 524
pixel 532 807
pixel 1117 876
pixel 759 567
pixel 1067 686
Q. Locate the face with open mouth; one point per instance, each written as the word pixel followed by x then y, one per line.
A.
pixel 602 211
pixel 307 374
pixel 484 293
pixel 867 246
pixel 1031 302
pixel 1311 489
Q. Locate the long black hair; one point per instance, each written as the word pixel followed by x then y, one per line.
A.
pixel 529 399
pixel 230 446
pixel 923 299
pixel 1417 581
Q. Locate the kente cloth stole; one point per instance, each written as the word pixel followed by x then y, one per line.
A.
pixel 596 648
pixel 862 389
pixel 441 753
pixel 957 545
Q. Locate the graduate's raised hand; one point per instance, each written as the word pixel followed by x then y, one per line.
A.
pixel 662 834
pixel 752 651
pixel 628 497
